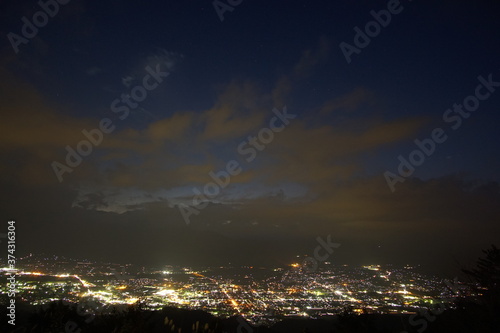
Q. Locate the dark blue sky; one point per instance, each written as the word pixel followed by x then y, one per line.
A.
pixel 323 174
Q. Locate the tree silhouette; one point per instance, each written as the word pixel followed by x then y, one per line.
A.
pixel 486 276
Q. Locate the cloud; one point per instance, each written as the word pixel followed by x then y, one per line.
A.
pixel 181 149
pixel 312 179
pixel 308 62
pixel 349 102
pixel 173 128
pixel 239 110
pixel 33 132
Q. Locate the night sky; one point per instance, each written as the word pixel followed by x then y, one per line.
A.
pixel 117 115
